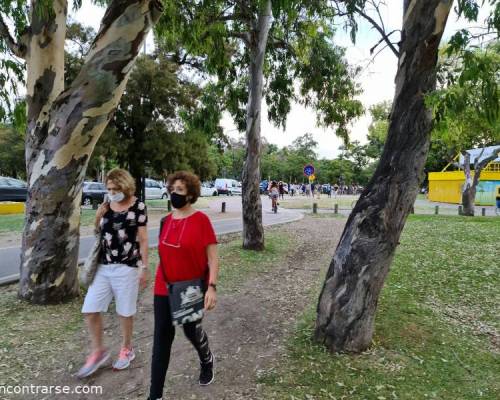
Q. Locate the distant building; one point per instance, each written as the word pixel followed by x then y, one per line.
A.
pixel 446 186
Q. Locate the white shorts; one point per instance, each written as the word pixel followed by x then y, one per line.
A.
pixel 113 280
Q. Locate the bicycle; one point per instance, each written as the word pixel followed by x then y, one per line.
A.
pixel 275 205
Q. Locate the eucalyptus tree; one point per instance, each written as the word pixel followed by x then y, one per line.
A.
pixel 348 301
pixel 257 49
pixel 64 124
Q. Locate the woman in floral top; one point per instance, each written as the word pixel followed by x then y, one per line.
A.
pixel 123 268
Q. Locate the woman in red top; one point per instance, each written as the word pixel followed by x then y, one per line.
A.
pixel 188 250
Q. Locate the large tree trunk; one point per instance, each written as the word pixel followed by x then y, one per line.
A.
pixel 348 301
pixel 470 186
pixel 63 128
pixel 253 231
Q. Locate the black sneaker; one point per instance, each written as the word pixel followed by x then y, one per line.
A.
pixel 207 372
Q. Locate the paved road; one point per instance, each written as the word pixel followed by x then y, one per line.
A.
pixel 10 257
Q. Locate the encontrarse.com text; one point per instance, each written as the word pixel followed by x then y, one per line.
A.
pixel 49 389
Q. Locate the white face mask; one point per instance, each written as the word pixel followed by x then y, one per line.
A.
pixel 117 197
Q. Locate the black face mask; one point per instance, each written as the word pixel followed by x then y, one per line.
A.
pixel 178 200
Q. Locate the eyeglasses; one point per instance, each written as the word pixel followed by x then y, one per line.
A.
pixel 178 245
pixel 178 190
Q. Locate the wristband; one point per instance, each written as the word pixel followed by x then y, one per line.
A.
pixel 213 285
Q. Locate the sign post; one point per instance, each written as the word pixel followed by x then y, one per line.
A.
pixel 309 172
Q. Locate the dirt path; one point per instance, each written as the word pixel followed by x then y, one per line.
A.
pixel 247 331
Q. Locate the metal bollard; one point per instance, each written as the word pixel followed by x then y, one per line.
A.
pixel 483 212
pixel 460 210
pixel 336 209
pixel 315 208
pixel 223 209
pixel 169 205
pixel 436 210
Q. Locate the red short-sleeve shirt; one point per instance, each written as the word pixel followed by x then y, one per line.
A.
pixel 183 250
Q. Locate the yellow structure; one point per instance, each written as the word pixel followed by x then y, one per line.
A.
pixel 8 207
pixel 446 187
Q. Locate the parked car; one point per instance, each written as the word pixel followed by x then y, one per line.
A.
pixel 263 186
pixel 12 189
pixel 208 190
pixel 154 189
pixel 164 192
pixel 93 191
pixel 227 186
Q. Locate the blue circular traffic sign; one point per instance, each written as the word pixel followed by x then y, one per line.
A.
pixel 308 170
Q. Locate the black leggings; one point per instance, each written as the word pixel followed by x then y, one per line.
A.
pixel 164 333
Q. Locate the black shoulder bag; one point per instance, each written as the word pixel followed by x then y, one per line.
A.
pixel 186 298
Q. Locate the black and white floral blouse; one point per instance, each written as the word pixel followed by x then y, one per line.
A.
pixel 119 239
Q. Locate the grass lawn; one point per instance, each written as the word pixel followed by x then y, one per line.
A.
pixel 301 202
pixel 32 336
pixel 436 329
pixel 14 222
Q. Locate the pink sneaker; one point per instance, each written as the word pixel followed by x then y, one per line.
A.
pixel 124 359
pixel 93 363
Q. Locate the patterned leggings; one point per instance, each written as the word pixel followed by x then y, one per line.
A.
pixel 164 333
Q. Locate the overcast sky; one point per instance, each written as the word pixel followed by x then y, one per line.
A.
pixel 376 79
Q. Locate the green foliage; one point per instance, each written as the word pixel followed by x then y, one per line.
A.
pixel 211 36
pixel 12 70
pixel 12 152
pixel 467 103
pixel 161 124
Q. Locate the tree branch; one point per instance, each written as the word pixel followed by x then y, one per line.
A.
pixel 280 44
pixel 18 49
pixel 245 36
pixel 381 40
pixel 485 161
pixel 379 29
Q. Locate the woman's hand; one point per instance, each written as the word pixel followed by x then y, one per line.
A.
pixel 143 277
pixel 210 298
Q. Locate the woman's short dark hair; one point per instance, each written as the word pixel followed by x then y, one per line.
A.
pixel 192 182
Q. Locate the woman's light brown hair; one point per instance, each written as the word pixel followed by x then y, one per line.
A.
pixel 123 180
pixel 192 182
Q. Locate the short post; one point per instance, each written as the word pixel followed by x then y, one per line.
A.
pixel 483 212
pixel 460 210
pixel 436 210
pixel 412 210
pixel 315 208
pixel 223 209
pixel 336 208
pixel 169 205
pixel 95 204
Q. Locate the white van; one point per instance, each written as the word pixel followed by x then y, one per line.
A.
pixel 227 186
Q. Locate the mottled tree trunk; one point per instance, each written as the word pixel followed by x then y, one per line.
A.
pixel 471 182
pixel 63 128
pixel 348 301
pixel 253 231
pixel 469 189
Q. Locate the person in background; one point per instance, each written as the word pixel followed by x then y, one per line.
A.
pixel 281 189
pixel 274 194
